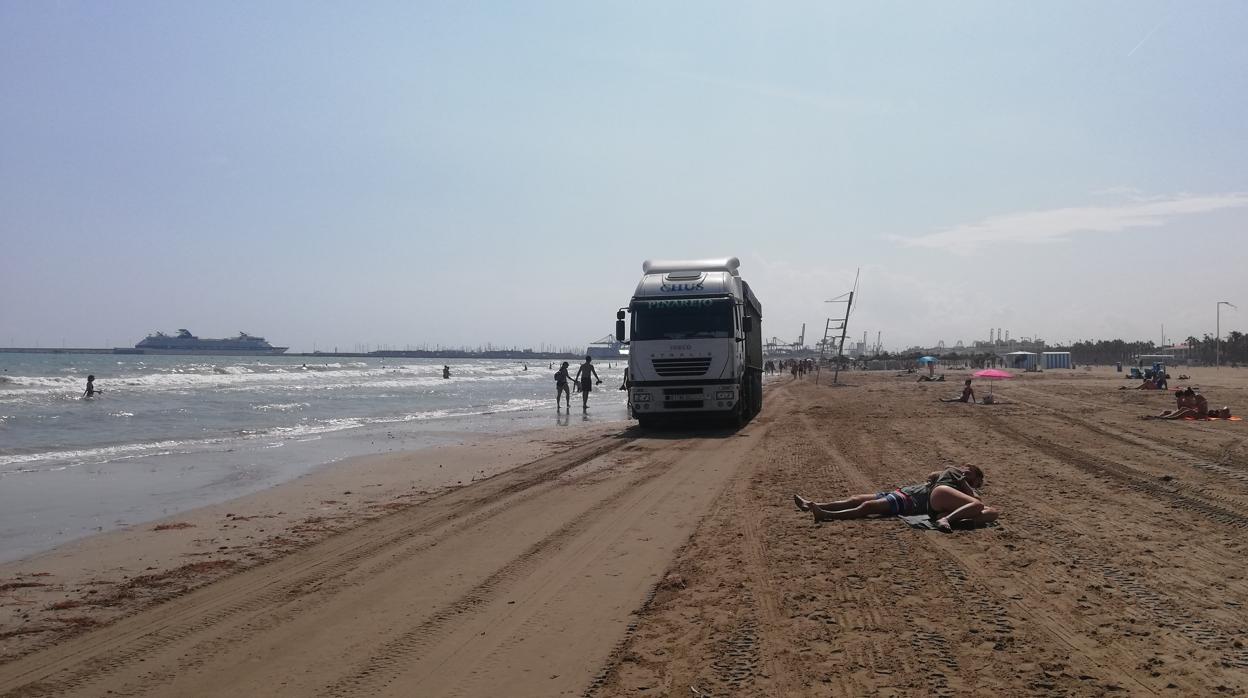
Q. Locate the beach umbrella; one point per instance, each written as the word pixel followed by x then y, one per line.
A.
pixel 928 359
pixel 993 374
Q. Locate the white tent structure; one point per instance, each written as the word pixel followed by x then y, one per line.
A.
pixel 1022 360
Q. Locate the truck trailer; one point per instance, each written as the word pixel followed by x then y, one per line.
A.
pixel 695 342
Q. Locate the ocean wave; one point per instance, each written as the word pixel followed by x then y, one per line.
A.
pixel 100 454
pixel 206 377
pixel 45 460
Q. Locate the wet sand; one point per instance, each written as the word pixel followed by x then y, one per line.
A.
pixel 628 563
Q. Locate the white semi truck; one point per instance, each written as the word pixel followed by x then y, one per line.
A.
pixel 695 342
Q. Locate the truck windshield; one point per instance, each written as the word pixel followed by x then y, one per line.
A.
pixel 682 318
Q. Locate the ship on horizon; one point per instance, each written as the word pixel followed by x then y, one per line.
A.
pixel 608 348
pixel 186 343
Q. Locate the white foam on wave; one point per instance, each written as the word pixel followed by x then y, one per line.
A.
pixel 237 377
pixel 281 407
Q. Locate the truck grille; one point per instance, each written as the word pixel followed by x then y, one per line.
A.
pixel 671 368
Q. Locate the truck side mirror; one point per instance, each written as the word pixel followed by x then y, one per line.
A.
pixel 619 315
pixel 747 323
pixel 619 330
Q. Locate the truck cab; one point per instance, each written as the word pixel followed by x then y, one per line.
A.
pixel 695 341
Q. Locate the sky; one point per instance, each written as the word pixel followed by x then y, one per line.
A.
pixel 462 174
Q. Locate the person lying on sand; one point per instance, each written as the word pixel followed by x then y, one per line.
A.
pixel 1148 384
pixel 968 395
pixel 948 496
pixel 929 379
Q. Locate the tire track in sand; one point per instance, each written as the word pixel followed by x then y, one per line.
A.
pixel 1191 455
pixel 132 639
pixel 390 657
pixel 1181 496
pixel 1168 607
pixel 479 640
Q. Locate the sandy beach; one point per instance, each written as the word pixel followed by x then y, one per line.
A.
pixel 606 561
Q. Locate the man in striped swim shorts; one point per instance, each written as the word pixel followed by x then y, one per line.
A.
pixel 948 495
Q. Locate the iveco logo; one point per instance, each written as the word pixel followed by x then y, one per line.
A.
pixel 680 347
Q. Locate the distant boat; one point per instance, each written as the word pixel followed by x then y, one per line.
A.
pixel 186 343
pixel 608 348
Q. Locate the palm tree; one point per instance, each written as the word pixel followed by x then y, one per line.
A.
pixel 1236 346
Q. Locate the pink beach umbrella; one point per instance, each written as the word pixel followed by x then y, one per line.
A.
pixel 993 374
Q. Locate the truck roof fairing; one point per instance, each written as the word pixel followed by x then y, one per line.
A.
pixel 687 284
pixel 668 266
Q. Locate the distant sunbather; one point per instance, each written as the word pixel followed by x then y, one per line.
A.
pixel 929 379
pixel 968 395
pixel 948 496
pixel 1188 403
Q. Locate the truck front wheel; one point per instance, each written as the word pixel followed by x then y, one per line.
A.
pixel 745 403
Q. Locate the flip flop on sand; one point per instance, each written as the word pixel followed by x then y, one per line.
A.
pixel 801 503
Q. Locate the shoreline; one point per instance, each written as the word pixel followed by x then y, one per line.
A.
pixel 56 593
pixel 48 505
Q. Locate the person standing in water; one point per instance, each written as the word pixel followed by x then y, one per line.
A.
pixel 561 386
pixel 582 378
pixel 90 391
pixel 446 371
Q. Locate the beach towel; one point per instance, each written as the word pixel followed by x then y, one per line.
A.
pixel 919 521
pixel 1232 418
pixel 925 523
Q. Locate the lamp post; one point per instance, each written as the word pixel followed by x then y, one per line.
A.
pixel 1217 343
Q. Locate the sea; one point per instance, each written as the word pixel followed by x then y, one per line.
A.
pixel 170 433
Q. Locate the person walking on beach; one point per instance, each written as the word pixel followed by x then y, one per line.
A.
pixel 948 496
pixel 90 391
pixel 582 379
pixel 561 386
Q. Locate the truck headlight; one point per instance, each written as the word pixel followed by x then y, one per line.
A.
pixel 724 395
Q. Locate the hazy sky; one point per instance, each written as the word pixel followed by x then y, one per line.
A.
pixel 461 173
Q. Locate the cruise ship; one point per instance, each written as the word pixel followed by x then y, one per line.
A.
pixel 608 348
pixel 186 343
